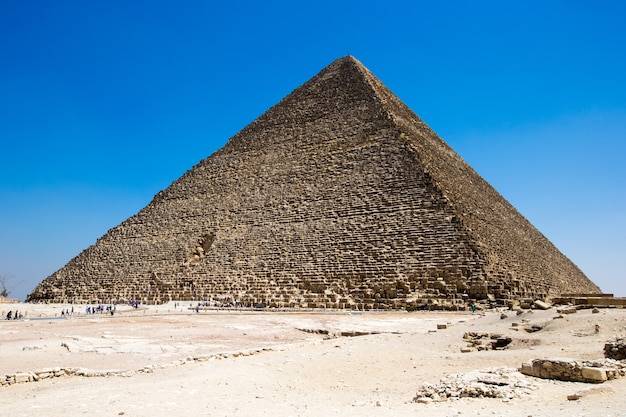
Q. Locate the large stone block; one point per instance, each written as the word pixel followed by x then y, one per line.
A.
pixel 22 377
pixel 594 374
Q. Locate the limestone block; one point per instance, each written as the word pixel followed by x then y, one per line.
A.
pixel 527 369
pixel 541 305
pixel 22 377
pixel 594 374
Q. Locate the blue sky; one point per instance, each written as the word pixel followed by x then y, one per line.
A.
pixel 103 104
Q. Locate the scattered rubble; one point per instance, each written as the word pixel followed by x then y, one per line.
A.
pixel 504 383
pixel 535 327
pixel 345 333
pixel 485 341
pixel 56 372
pixel 314 331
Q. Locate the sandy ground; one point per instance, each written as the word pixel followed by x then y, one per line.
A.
pixel 278 364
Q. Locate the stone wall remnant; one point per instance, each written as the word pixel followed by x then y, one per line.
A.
pixel 564 369
pixel 615 348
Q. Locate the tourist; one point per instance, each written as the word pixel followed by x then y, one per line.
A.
pixel 9 315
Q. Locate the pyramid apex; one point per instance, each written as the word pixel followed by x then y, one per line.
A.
pixel 349 59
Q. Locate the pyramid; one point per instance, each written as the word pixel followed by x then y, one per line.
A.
pixel 340 197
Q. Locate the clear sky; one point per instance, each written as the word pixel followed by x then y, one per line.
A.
pixel 103 104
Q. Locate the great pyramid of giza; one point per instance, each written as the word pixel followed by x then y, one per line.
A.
pixel 339 196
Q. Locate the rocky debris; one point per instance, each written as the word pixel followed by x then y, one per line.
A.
pixel 315 331
pixel 344 333
pixel 541 305
pixel 505 383
pixel 354 333
pixel 529 303
pixel 564 369
pixel 485 341
pixel 501 343
pixel 56 372
pixel 22 377
pixel 535 327
pixel 615 348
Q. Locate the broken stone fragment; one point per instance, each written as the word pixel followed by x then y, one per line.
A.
pixel 541 305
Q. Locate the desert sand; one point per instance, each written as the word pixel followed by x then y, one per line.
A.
pixel 166 361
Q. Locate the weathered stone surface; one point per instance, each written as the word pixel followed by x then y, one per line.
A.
pixel 490 383
pixel 337 197
pixel 594 374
